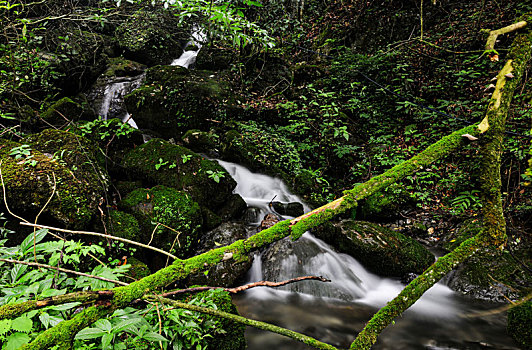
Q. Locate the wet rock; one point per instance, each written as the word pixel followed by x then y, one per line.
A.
pixel 381 250
pixel 252 215
pixel 168 218
pixel 213 58
pixel 268 221
pixel 159 162
pixel 294 209
pixel 234 208
pixel 491 274
pixel 225 273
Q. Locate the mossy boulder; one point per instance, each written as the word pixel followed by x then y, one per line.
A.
pixel 228 271
pixel 167 217
pixel 261 150
pixel 201 141
pixel 79 154
pixel 151 36
pixel 381 250
pixel 174 100
pixel 62 112
pixel 121 67
pixel 124 225
pixel 31 177
pixel 160 162
pixel 138 269
pixel 520 324
pixel 228 335
pixel 492 274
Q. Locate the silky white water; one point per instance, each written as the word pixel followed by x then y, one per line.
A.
pixel 188 58
pixel 336 311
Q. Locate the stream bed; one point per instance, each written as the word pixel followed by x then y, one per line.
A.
pixel 335 312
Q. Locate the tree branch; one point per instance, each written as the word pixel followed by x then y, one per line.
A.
pixel 248 322
pixel 246 286
pixel 90 233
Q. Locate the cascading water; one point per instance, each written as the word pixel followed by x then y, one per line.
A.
pixel 188 58
pixel 335 312
pixel 111 101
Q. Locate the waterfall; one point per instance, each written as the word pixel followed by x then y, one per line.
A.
pixel 334 312
pixel 188 58
pixel 112 104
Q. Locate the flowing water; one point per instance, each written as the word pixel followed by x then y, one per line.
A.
pixel 191 49
pixel 335 312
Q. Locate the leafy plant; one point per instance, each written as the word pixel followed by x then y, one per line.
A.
pixel 215 175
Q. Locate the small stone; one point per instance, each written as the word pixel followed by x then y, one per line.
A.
pixel 227 256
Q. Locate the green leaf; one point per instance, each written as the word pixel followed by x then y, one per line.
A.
pixel 17 271
pixel 22 324
pixel 5 326
pixel 104 325
pixel 106 340
pixel 152 336
pixel 123 325
pixel 15 341
pixel 28 241
pixel 90 333
pixel 45 319
pixel 65 307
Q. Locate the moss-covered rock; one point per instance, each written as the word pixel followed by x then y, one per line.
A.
pixel 29 182
pixel 160 162
pixel 123 225
pixel 121 67
pixel 174 100
pixel 151 36
pixel 200 141
pixel 520 324
pixel 227 272
pixel 115 139
pixel 381 250
pixel 492 274
pixel 167 217
pixel 386 205
pixel 261 150
pixel 62 112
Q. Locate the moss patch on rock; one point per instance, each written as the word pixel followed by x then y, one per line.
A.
pixel 29 183
pixel 168 216
pixel 381 250
pixel 160 162
pixel 174 100
pixel 492 274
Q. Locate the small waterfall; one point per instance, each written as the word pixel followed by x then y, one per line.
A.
pixel 334 312
pixel 188 58
pixel 111 104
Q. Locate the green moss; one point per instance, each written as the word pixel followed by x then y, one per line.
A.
pixel 183 169
pixel 29 187
pixel 138 269
pixel 120 67
pixel 520 324
pixel 62 112
pixel 123 225
pixel 178 216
